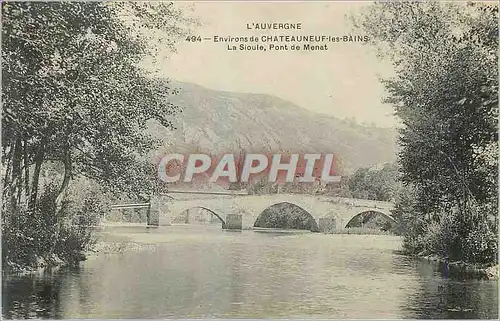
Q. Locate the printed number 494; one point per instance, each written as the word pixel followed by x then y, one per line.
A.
pixel 193 38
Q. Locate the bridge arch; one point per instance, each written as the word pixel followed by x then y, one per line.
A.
pixel 200 207
pixel 378 211
pixel 303 215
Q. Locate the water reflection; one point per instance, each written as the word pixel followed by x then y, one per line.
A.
pixel 448 298
pixel 196 273
pixel 31 296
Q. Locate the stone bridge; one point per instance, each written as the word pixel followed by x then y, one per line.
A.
pixel 240 211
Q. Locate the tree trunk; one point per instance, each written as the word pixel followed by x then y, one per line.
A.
pixel 8 170
pixel 65 184
pixel 60 197
pixel 26 170
pixel 15 188
pixel 39 158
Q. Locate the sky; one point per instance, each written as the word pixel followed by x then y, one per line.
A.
pixel 342 81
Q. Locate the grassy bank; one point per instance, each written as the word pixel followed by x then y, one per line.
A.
pixel 358 231
pixel 278 230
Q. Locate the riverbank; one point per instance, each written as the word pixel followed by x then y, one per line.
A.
pixel 41 265
pixel 358 231
pixel 103 242
pixel 462 269
pixel 277 230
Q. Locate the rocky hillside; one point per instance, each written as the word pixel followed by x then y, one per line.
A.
pixel 218 122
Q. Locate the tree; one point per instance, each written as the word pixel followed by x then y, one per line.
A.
pixel 74 94
pixel 375 184
pixel 445 90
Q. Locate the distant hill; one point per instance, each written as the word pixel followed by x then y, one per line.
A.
pixel 219 122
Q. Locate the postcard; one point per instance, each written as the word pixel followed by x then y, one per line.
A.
pixel 250 160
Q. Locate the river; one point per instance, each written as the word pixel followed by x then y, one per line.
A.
pixel 203 272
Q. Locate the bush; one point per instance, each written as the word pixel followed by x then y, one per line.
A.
pixel 481 244
pixel 409 220
pixel 30 240
pixel 466 235
pixel 27 236
pixel 443 237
